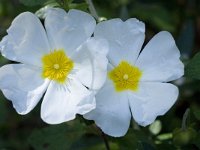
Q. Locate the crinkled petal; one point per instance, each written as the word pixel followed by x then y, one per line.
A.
pixel 63 101
pixel 26 41
pixel 112 113
pixel 91 63
pixel 22 85
pixel 153 99
pixel 159 61
pixel 68 30
pixel 125 38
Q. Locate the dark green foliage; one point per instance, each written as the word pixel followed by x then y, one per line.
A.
pixel 55 137
pixel 192 69
pixel 180 17
pixel 33 2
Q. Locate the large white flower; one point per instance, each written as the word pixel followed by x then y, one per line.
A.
pixel 61 59
pixel 136 83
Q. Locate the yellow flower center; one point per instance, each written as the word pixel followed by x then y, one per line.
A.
pixel 56 66
pixel 125 77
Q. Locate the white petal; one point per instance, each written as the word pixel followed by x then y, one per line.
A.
pixel 112 113
pixel 22 85
pixel 26 41
pixel 159 61
pixel 63 101
pixel 68 30
pixel 125 38
pixel 91 63
pixel 153 99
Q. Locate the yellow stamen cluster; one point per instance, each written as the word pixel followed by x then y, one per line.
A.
pixel 125 77
pixel 56 66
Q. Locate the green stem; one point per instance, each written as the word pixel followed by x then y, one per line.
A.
pixel 103 135
pixel 185 118
pixel 105 140
pixel 92 9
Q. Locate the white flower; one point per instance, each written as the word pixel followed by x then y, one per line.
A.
pixel 136 83
pixel 61 59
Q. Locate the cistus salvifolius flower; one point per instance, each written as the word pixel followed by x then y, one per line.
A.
pixel 61 59
pixel 136 84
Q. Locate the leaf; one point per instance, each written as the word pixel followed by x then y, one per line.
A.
pixel 86 141
pixel 155 127
pixel 165 136
pixel 34 2
pixel 135 139
pixel 80 6
pixel 185 40
pixel 192 69
pixel 196 111
pixel 166 145
pixel 3 61
pixel 3 110
pixel 92 142
pixel 197 140
pixel 56 137
pixel 149 13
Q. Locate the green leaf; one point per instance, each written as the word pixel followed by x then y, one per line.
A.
pixel 135 139
pixel 3 110
pixel 166 145
pixel 34 2
pixel 86 141
pixel 56 137
pixel 186 37
pixel 165 136
pixel 80 6
pixel 149 13
pixel 196 111
pixel 92 142
pixel 3 61
pixel 155 127
pixel 192 69
pixel 197 140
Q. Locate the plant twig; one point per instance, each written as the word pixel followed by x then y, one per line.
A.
pixel 185 118
pixel 103 137
pixel 105 140
pixel 92 9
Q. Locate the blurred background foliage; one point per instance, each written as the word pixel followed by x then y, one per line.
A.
pixel 171 131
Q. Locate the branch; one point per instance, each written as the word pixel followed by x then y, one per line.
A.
pixel 105 140
pixel 185 118
pixel 92 9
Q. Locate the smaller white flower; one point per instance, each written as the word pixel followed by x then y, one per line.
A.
pixel 61 59
pixel 136 84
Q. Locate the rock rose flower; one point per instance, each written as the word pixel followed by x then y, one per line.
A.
pixel 136 83
pixel 61 59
